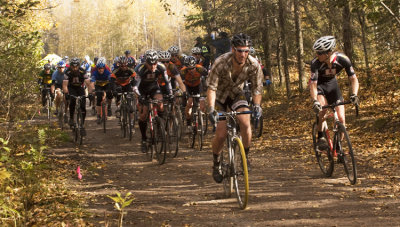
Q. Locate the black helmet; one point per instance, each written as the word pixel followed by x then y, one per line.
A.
pixel 241 39
pixel 127 52
pixel 151 56
pixel 95 59
pixel 74 62
pixel 47 66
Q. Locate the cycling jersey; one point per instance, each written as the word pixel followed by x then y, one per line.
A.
pixel 193 77
pixel 178 62
pixel 57 79
pixel 325 77
pixel 75 78
pixel 101 79
pixel 321 73
pixel 45 78
pixel 147 80
pixel 122 77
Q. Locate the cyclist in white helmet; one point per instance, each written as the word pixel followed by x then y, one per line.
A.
pixel 324 87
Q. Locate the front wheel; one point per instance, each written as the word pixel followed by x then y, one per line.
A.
pixel 200 129
pixel 160 140
pixel 324 157
pixel 345 154
pixel 172 135
pixel 79 119
pixel 240 173
pixel 225 167
pixel 104 116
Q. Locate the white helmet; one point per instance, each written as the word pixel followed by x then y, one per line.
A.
pixel 164 55
pixel 173 50
pixel 325 43
pixel 196 50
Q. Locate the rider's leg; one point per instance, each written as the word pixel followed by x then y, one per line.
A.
pixel 188 107
pixel 142 121
pixel 160 106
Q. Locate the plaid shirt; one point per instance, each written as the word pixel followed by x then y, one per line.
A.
pixel 220 77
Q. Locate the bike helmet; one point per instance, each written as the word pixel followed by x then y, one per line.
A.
pixel 123 60
pixel 75 62
pixel 164 55
pixel 101 63
pixel 95 59
pixel 190 61
pixel 47 66
pixel 241 39
pixel 196 50
pixel 325 43
pixel 61 64
pixel 173 50
pixel 151 56
pixel 127 52
pixel 252 51
pixel 116 59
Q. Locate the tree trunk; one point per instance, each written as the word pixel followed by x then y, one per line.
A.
pixel 266 41
pixel 282 14
pixel 347 35
pixel 299 45
pixel 279 62
pixel 361 19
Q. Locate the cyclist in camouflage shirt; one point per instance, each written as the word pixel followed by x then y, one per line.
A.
pixel 225 90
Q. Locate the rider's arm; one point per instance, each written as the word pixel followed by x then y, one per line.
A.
pixel 313 81
pixel 65 86
pixel 167 82
pixel 346 63
pixel 354 84
pixel 256 79
pixel 180 82
pixel 211 94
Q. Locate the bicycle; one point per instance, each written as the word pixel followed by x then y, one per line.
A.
pixel 156 138
pixel 61 111
pixel 78 123
pixel 103 110
pixel 233 163
pixel 171 127
pixel 338 148
pixel 179 109
pixel 197 125
pixel 49 102
pixel 256 123
pixel 127 108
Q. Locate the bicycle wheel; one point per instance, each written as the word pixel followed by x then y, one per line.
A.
pixel 130 125
pixel 240 173
pixel 48 106
pixel 79 127
pixel 200 129
pixel 193 133
pixel 149 142
pixel 345 154
pixel 171 127
pixel 225 167
pixel 104 115
pixel 324 157
pixel 60 115
pixel 257 126
pixel 124 125
pixel 133 110
pixel 160 140
pixel 205 121
pixel 178 114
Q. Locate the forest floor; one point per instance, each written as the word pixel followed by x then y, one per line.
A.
pixel 287 187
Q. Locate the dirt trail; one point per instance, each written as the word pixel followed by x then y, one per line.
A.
pixel 286 186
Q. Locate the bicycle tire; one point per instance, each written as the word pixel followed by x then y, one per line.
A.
pixel 80 126
pixel 149 142
pixel 48 106
pixel 346 154
pixel 171 128
pixel 104 116
pixel 192 135
pixel 178 114
pixel 200 129
pixel 60 115
pixel 130 125
pixel 240 172
pixel 124 126
pixel 132 105
pixel 325 157
pixel 205 128
pixel 258 127
pixel 160 140
pixel 225 167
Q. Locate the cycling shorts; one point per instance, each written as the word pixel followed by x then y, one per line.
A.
pixel 233 104
pixel 331 91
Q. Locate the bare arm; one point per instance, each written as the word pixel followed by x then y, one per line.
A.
pixel 65 86
pixel 180 82
pixel 211 98
pixel 354 84
pixel 313 90
pixel 257 99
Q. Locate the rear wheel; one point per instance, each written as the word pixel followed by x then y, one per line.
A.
pixel 345 153
pixel 240 173
pixel 324 157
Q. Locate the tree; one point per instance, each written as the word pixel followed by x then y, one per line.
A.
pixel 282 14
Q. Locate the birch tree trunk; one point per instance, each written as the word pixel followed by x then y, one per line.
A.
pixel 282 14
pixel 299 45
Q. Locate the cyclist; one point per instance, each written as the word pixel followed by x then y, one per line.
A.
pixel 45 82
pixel 175 58
pixel 56 85
pixel 74 80
pixel 196 52
pixel 205 51
pixel 172 71
pixel 86 64
pixel 324 87
pixel 131 59
pixel 122 79
pixel 100 81
pixel 147 85
pixel 225 90
pixel 193 74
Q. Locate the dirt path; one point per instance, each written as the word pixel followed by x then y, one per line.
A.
pixel 286 186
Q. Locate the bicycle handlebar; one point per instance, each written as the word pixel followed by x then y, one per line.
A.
pixel 222 116
pixel 331 106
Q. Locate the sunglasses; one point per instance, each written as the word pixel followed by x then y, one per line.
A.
pixel 241 50
pixel 322 52
pixel 165 62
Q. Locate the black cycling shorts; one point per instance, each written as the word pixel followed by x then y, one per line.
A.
pixel 331 91
pixel 193 90
pixel 233 104
pixel 149 91
pixel 99 95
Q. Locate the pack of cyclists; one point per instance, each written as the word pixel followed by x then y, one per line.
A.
pixel 158 74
